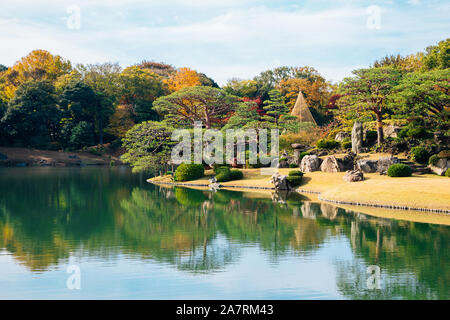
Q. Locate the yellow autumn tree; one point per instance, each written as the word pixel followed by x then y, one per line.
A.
pixel 37 65
pixel 121 121
pixel 316 92
pixel 184 77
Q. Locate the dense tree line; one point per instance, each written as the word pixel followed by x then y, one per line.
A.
pixel 46 102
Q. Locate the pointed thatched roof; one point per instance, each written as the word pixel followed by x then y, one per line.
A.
pixel 301 110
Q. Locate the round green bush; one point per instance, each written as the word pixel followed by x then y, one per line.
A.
pixel 189 171
pixel 294 181
pixel 293 165
pixel 403 133
pixel 327 144
pixel 304 153
pixel 399 170
pixel 295 173
pixel 346 144
pixel 419 154
pixel 433 160
pixel 236 174
pixel 223 174
pixel 371 136
pixel 417 132
pixel 447 173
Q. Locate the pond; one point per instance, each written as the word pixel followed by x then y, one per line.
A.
pixel 105 233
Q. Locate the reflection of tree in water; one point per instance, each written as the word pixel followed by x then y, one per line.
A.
pixel 47 215
pixel 413 258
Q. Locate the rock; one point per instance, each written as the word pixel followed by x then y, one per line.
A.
pixel 298 149
pixel 367 166
pixel 310 163
pixel 3 156
pixel 441 166
pixel 347 162
pixel 330 164
pixel 385 162
pixel 283 164
pixel 353 176
pixel 357 137
pixel 214 186
pixel 391 131
pixel 341 136
pixel 213 180
pixel 280 182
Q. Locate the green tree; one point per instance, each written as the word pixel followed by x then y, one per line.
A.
pixel 32 117
pixel 424 96
pixel 82 135
pixel 3 68
pixel 190 104
pixel 148 146
pixel 438 57
pixel 276 108
pixel 367 92
pixel 245 116
pixel 139 88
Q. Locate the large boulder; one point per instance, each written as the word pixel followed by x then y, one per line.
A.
pixel 353 176
pixel 280 182
pixel 330 164
pixel 441 166
pixel 347 162
pixel 310 163
pixel 298 149
pixel 357 137
pixel 367 166
pixel 341 136
pixel 385 162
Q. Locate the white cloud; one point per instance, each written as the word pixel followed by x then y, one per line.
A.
pixel 222 38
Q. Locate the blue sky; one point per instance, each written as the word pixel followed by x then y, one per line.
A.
pixel 225 38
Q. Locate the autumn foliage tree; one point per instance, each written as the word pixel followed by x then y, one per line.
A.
pixel 183 78
pixel 207 104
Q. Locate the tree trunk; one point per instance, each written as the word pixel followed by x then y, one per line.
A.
pixel 379 129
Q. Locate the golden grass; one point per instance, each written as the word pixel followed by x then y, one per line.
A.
pixel 425 191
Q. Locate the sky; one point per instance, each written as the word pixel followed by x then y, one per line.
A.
pixel 224 38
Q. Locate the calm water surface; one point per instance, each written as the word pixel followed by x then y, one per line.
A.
pixel 133 240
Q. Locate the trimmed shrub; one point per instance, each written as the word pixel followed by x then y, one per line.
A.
pixel 223 175
pixel 236 174
pixel 294 181
pixel 302 154
pixel 447 173
pixel 295 173
pixel 327 144
pixel 403 133
pixel 399 170
pixel 433 160
pixel 293 165
pixel 417 132
pixel 419 154
pixel 371 137
pixel 347 143
pixel 189 171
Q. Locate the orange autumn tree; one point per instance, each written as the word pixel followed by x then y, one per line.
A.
pixel 37 65
pixel 315 92
pixel 183 78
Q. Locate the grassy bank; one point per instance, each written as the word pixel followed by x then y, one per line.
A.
pixel 34 157
pixel 424 191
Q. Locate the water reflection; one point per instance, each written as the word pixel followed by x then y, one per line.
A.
pixel 47 214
